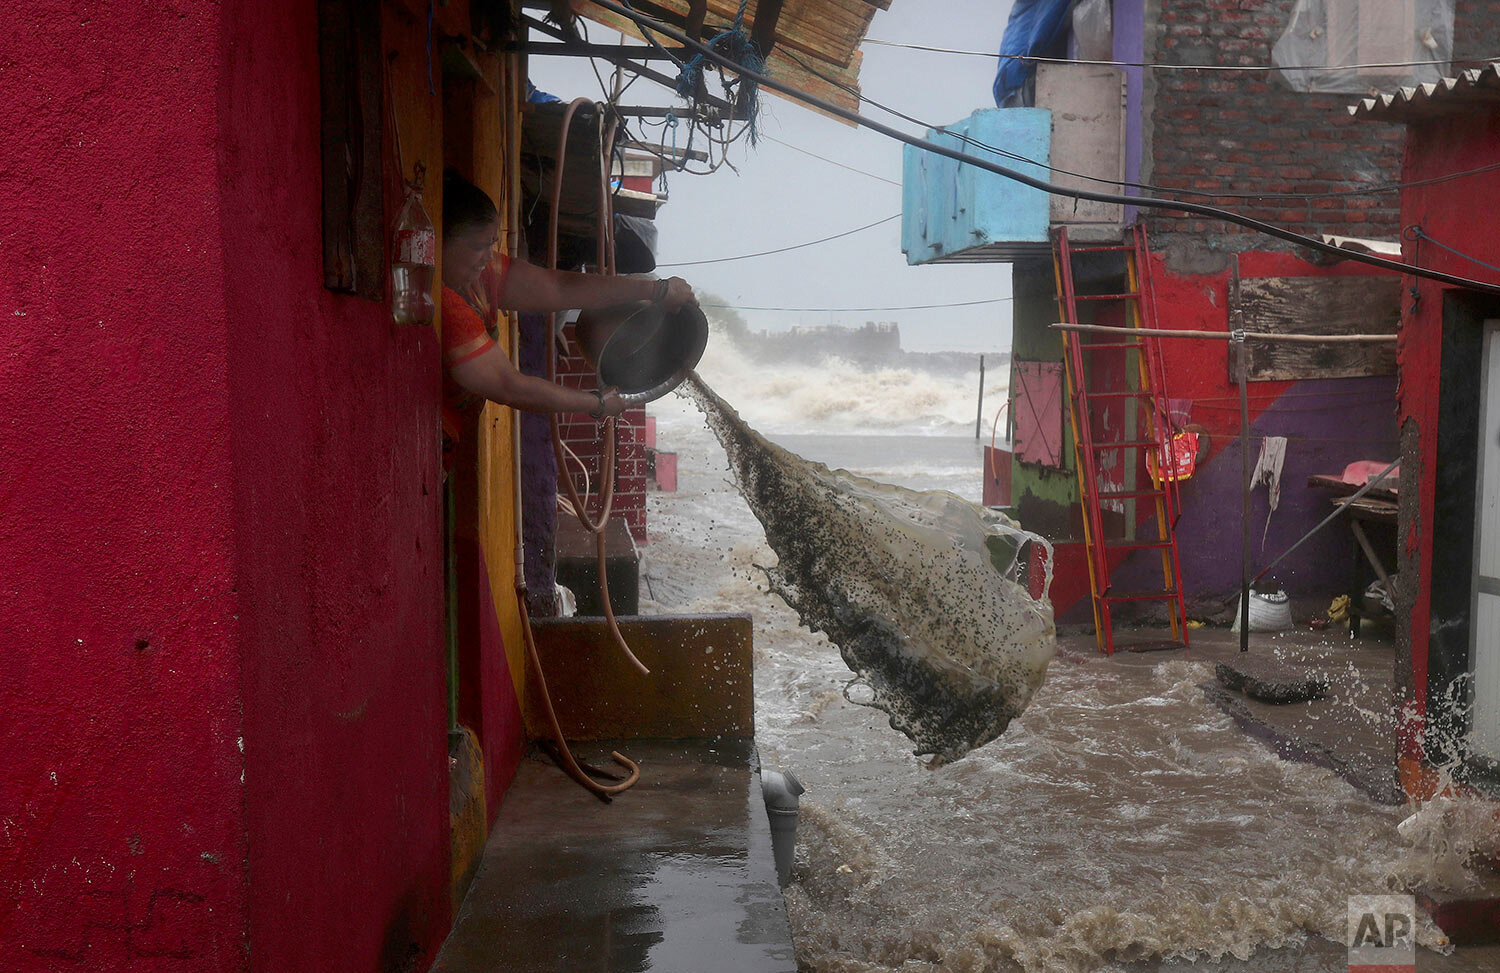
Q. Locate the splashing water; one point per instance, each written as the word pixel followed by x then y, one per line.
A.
pixel 1448 833
pixel 793 397
pixel 918 590
pixel 1121 819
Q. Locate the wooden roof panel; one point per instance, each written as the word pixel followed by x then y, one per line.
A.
pixel 824 33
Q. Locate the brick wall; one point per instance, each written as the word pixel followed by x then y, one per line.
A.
pixel 584 436
pixel 1247 132
pixel 1476 32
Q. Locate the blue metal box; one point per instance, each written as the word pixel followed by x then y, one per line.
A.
pixel 955 212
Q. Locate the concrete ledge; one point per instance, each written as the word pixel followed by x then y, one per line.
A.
pixel 676 875
pixel 701 682
pixel 1468 919
pixel 1377 781
pixel 1270 681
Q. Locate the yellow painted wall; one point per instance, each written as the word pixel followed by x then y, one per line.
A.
pixel 484 114
pixel 496 163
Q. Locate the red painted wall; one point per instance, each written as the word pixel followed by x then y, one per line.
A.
pixel 339 551
pixel 1210 524
pixel 1445 211
pixel 221 705
pixel 119 685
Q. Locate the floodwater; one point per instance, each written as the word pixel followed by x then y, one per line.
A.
pixel 1122 817
pixel 923 592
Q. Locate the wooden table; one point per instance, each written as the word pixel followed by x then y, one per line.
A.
pixel 1378 507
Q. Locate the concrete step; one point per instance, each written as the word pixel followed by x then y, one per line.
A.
pixel 676 874
pixel 1271 680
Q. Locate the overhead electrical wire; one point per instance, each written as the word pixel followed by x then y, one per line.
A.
pixel 1147 202
pixel 1375 189
pixel 834 162
pixel 795 246
pixel 1416 232
pixel 1159 66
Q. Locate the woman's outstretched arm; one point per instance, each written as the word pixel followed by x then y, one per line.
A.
pixel 492 375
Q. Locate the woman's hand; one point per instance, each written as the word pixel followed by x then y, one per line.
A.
pixel 679 292
pixel 610 404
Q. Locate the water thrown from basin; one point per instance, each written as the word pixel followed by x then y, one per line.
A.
pixel 921 591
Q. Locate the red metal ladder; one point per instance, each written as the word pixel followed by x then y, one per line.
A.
pixel 1144 435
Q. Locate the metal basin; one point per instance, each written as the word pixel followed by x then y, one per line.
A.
pixel 642 350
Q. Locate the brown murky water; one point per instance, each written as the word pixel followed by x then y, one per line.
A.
pixel 1120 817
pixel 921 591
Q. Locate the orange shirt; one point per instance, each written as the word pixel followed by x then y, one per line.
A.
pixel 466 335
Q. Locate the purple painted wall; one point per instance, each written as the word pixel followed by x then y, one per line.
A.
pixel 1326 422
pixel 1130 45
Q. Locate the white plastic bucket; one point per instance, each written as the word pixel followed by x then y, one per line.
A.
pixel 1270 611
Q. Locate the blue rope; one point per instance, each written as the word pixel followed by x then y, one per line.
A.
pixel 735 45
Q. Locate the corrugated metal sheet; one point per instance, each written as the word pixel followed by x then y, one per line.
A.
pixel 824 33
pixel 1478 88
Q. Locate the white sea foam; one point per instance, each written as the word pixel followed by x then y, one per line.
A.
pixel 835 395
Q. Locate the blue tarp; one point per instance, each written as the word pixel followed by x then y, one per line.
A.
pixel 1034 26
pixel 537 96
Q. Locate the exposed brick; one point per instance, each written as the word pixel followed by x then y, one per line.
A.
pixel 1249 133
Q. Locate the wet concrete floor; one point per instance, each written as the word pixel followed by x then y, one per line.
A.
pixel 1351 730
pixel 675 875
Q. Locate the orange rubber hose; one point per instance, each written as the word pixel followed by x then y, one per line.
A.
pixel 569 765
pixel 607 458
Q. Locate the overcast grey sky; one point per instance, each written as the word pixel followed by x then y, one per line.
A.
pixel 781 197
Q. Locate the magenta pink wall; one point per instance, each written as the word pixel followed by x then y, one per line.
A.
pixel 336 506
pixel 219 521
pixel 119 681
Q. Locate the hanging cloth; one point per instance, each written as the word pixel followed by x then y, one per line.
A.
pixel 1267 470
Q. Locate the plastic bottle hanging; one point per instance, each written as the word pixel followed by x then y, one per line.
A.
pixel 413 259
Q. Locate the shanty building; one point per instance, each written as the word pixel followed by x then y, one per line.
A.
pixel 265 691
pixel 1238 104
pixel 1448 404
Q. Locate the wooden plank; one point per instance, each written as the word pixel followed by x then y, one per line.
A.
pixel 1318 305
pixel 1342 488
pixel 1088 135
pixel 352 122
pixel 701 682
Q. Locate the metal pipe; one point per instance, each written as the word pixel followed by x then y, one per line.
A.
pixel 1243 370
pixel 612 52
pixel 979 419
pixel 1310 339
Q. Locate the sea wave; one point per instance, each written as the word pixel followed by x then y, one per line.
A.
pixel 835 395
